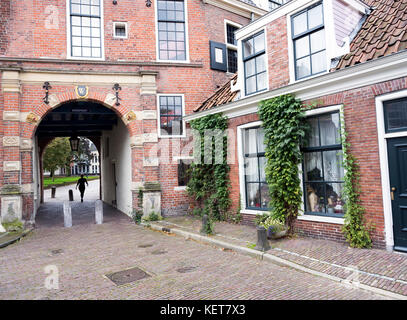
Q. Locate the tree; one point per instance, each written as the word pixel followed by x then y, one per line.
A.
pixel 57 155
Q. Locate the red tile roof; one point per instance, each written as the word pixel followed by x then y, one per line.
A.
pixel 383 33
pixel 221 96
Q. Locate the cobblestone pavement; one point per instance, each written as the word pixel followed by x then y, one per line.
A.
pixel 376 268
pixel 179 268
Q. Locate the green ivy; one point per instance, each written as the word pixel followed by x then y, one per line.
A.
pixel 209 183
pixel 356 234
pixel 284 126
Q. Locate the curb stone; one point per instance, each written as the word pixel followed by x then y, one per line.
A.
pixel 15 239
pixel 269 257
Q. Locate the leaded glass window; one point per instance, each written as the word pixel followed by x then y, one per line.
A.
pixel 171 115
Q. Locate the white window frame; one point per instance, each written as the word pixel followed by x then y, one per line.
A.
pixel 115 23
pixel 384 162
pixel 228 45
pixel 309 217
pixel 183 135
pixel 157 47
pixel 240 63
pixel 68 34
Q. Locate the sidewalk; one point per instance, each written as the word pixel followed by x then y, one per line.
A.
pixel 376 270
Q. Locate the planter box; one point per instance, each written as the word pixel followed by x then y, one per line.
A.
pixel 276 235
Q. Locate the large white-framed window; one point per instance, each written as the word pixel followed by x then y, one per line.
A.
pixel 255 63
pixel 85 29
pixel 322 172
pixel 308 41
pixel 251 154
pixel 231 45
pixel 172 31
pixel 171 111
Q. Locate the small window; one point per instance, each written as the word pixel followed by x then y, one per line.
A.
pixel 308 36
pixel 323 172
pixel 275 4
pixel 171 113
pixel 230 34
pixel 183 172
pixel 254 59
pixel 395 115
pixel 231 48
pixel 120 30
pixel 257 190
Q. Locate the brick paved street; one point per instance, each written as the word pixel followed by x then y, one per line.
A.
pixel 85 253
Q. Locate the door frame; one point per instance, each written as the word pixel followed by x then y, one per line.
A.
pixel 384 162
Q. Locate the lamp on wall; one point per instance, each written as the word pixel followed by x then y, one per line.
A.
pixel 114 2
pixel 74 142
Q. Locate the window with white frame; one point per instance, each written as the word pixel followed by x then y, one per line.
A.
pixel 171 30
pixel 170 115
pixel 308 35
pixel 254 60
pixel 231 45
pixel 120 30
pixel 323 172
pixel 85 24
pixel 275 4
pixel 256 187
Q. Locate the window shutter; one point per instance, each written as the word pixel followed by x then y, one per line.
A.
pixel 218 56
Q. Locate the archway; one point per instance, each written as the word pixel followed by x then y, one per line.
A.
pixel 101 125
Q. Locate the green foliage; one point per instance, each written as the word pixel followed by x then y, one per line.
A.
pixel 284 126
pixel 260 218
pixel 57 181
pixel 271 222
pixel 209 182
pixel 57 155
pixel 356 233
pixel 153 216
pixel 198 212
pixel 208 228
pixel 13 226
pixel 136 215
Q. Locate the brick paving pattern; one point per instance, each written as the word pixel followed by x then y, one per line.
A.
pixel 179 268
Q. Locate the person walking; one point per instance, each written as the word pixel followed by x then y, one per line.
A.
pixel 81 184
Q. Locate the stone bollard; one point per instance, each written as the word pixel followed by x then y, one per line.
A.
pixel 53 191
pixel 262 242
pixel 67 215
pixel 70 195
pixel 205 220
pixel 99 211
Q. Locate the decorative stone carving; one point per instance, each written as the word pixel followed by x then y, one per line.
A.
pixel 110 99
pixel 53 100
pixel 151 203
pixel 150 162
pixel 11 209
pixel 25 144
pixel 11 141
pixel 11 115
pixel 136 141
pixel 32 118
pixel 130 116
pixel 11 165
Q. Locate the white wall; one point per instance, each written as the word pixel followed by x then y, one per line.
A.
pixel 120 154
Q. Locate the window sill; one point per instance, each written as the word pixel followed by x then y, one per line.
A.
pixel 253 212
pixel 315 218
pixel 180 188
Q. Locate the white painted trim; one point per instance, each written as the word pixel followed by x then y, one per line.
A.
pixel 252 212
pixel 157 43
pixel 308 217
pixel 234 24
pixel 384 162
pixel 120 23
pixel 183 115
pixel 237 7
pixel 68 34
pixel 180 188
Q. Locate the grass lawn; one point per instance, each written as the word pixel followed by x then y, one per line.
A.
pixel 65 180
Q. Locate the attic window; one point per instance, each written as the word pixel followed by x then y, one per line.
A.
pixel 120 30
pixel 275 4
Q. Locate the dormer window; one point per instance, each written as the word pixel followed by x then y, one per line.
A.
pixel 254 60
pixel 308 34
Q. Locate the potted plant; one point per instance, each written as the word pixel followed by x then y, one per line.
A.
pixel 275 228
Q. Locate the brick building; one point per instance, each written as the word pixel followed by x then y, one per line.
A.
pixel 338 55
pixel 122 73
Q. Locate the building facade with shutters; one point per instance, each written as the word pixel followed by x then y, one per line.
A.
pixel 345 58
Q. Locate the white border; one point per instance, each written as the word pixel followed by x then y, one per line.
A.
pixel 228 45
pixel 157 43
pixel 120 23
pixel 68 33
pixel 384 162
pixel 183 115
pixel 310 217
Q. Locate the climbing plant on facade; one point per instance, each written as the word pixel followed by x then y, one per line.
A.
pixel 209 176
pixel 356 233
pixel 284 126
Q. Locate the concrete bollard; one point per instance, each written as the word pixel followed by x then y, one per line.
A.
pixel 53 191
pixel 67 215
pixel 262 242
pixel 99 211
pixel 70 195
pixel 205 219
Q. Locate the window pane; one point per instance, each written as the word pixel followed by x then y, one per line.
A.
pixel 251 85
pixel 250 67
pixel 261 63
pixel 396 114
pixel 251 169
pixel 330 129
pixel 302 47
pixel 315 17
pixel 230 34
pixel 76 31
pixel 76 9
pixel 333 169
pixel 259 42
pixel 300 24
pixel 265 195
pixel 317 41
pixel 313 134
pixel 260 140
pixel 315 197
pixel 248 48
pixel 253 195
pixel 262 168
pixel 335 199
pixel 313 166
pixel 318 62
pixel 76 51
pixel 250 141
pixel 76 41
pixel 261 81
pixel 303 67
pixel 232 60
